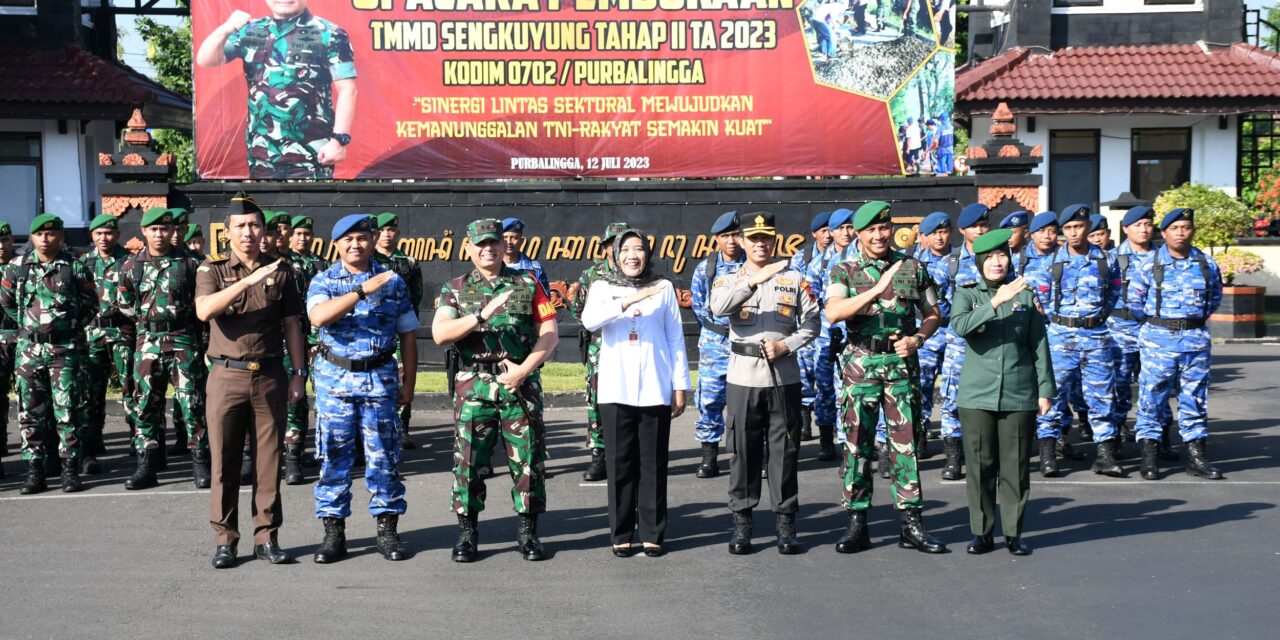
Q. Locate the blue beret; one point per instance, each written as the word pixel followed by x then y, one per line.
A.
pixel 1137 213
pixel 1097 221
pixel 1074 212
pixel 840 217
pixel 725 223
pixel 972 215
pixel 348 224
pixel 820 221
pixel 1175 215
pixel 1042 220
pixel 933 222
pixel 512 224
pixel 1016 219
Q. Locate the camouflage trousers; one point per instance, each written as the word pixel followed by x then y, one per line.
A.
pixel 1167 373
pixel 595 431
pixel 338 420
pixel 154 368
pixel 1092 371
pixel 874 387
pixel 104 358
pixel 180 423
pixel 484 411
pixel 48 396
pixel 6 384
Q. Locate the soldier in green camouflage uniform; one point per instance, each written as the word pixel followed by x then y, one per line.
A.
pixel 591 343
pixel 306 266
pixel 194 240
pixel 301 73
pixel 504 326
pixel 157 290
pixel 111 341
pixel 8 338
pixel 179 446
pixel 386 231
pixel 50 296
pixel 877 294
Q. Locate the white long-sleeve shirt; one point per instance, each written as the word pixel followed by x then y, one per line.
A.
pixel 640 372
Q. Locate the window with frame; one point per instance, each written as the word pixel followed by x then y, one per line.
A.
pixel 1074 167
pixel 21 177
pixel 1161 159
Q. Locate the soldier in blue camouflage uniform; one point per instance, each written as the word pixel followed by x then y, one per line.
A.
pixel 935 254
pixel 808 354
pixel 713 340
pixel 306 265
pixel 1174 293
pixel 301 73
pixel 50 296
pixel 1018 223
pixel 826 399
pixel 1135 248
pixel 8 338
pixel 362 313
pixel 1080 286
pixel 590 344
pixel 387 231
pixel 513 234
pixel 504 326
pixel 111 340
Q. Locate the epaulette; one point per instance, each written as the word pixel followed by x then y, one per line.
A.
pixel 213 260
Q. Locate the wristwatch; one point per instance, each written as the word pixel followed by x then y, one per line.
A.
pixel 298 372
pixel 343 139
pixel 479 316
pixel 360 293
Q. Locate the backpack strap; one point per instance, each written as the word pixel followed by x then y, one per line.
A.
pixel 1056 272
pixel 713 264
pixel 1157 278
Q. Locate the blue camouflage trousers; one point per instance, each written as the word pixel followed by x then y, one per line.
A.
pixel 713 367
pixel 1162 372
pixel 949 385
pixel 1090 369
pixel 931 355
pixel 1126 368
pixel 824 375
pixel 807 356
pixel 338 419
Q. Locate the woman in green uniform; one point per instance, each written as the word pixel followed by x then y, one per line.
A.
pixel 1007 377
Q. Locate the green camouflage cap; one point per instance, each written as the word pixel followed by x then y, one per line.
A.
pixel 179 215
pixel 104 221
pixel 992 240
pixel 302 222
pixel 483 229
pixel 5 229
pixel 389 219
pixel 613 229
pixel 193 231
pixel 156 215
pixel 873 212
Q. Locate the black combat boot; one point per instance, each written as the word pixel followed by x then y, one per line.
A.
pixel 856 537
pixel 468 545
pixel 52 465
pixel 740 541
pixel 200 468
pixel 161 453
pixel 885 463
pixel 764 459
pixel 180 442
pixel 247 474
pixel 144 477
pixel 922 443
pixel 388 539
pixel 527 538
pixel 71 476
pixel 293 464
pixel 1150 471
pixel 786 528
pixel 826 442
pixel 89 465
pixel 35 478
pixel 334 546
pixel 1066 451
pixel 1165 450
pixel 710 467
pixel 915 536
pixel 1197 464
pixel 1104 462
pixel 1049 457
pixel 90 448
pixel 1086 431
pixel 951 447
pixel 93 445
pixel 806 424
pixel 1127 433
pixel 596 471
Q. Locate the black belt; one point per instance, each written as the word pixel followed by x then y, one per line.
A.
pixel 491 368
pixel 246 365
pixel 112 322
pixel 1123 314
pixel 874 345
pixel 1091 322
pixel 52 337
pixel 168 327
pixel 1177 324
pixel 747 349
pixel 358 366
pixel 723 332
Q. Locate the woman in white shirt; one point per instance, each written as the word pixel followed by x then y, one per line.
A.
pixel 643 377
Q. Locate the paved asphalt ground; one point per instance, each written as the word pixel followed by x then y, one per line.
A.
pixel 1178 558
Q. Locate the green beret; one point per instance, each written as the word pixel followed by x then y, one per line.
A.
pixel 193 231
pixel 302 222
pixel 104 221
pixel 156 215
pixel 179 215
pixel 873 212
pixel 387 220
pixel 276 218
pixel 46 222
pixel 992 240
pixel 5 229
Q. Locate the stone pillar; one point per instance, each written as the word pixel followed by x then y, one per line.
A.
pixel 1002 167
pixel 137 177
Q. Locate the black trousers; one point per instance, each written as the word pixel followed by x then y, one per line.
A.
pixel 757 414
pixel 636 461
pixel 996 448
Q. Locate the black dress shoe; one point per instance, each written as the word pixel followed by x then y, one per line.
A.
pixel 623 551
pixel 981 544
pixel 271 552
pixel 224 556
pixel 1017 547
pixel 653 551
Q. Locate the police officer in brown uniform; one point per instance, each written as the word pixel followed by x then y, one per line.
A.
pixel 252 306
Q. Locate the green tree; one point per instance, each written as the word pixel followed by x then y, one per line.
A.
pixel 169 51
pixel 1220 218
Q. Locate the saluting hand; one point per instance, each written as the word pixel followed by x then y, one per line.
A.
pixel 886 278
pixel 372 285
pixel 766 272
pixel 261 274
pixel 494 304
pixel 641 295
pixel 1008 291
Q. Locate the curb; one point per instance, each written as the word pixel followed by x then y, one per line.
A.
pixel 1267 340
pixel 421 402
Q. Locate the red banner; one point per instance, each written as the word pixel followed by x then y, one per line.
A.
pixel 376 89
